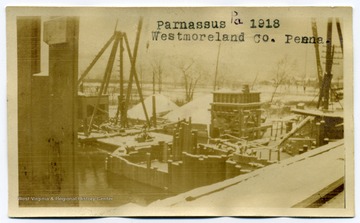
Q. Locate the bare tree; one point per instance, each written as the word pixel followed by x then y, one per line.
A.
pixel 157 70
pixel 191 77
pixel 282 70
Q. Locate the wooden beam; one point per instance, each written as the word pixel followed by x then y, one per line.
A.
pixel 105 80
pixel 237 105
pixel 62 141
pixel 27 40
pixel 111 61
pixel 133 73
pixel 97 57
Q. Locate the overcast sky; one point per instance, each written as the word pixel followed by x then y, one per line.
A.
pixel 240 60
pixel 237 59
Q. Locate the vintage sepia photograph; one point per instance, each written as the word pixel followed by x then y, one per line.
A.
pixel 180 111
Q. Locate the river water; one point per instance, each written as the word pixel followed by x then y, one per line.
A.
pixel 102 189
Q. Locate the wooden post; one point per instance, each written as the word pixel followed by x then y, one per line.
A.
pixel 270 154
pixel 178 149
pixel 105 81
pixel 111 61
pixel 170 171
pixel 278 154
pixel 229 168
pixel 305 147
pixel 164 148
pixel 168 153
pixel 133 74
pixel 258 124
pixel 326 80
pixel 122 102
pixel 173 143
pixel 329 62
pixel 322 132
pixel 217 66
pixel 184 138
pixel 318 139
pixel 154 110
pixel 194 139
pixel 317 52
pixel 63 80
pixel 181 140
pixel 148 160
pixel 326 141
pixel 28 63
pixel 120 109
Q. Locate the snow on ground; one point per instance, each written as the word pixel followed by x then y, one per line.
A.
pixel 198 110
pixel 163 105
pixel 285 94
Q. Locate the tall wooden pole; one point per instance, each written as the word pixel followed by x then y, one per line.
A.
pixel 317 53
pixel 105 80
pixel 329 62
pixel 217 67
pixel 111 61
pixel 120 109
pixel 133 73
pixel 326 82
pixel 122 80
pixel 338 27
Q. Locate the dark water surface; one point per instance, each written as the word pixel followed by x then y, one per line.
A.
pixel 102 189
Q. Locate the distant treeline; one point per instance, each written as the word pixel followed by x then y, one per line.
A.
pixel 98 80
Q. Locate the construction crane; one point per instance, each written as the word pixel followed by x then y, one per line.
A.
pixel 325 80
pixel 118 39
pixel 317 52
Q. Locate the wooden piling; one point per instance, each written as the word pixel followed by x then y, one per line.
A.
pixel 185 139
pixel 58 173
pixel 181 140
pixel 177 149
pixel 326 141
pixel 163 151
pixel 194 136
pixel 229 169
pixel 148 160
pixel 305 147
pixel 278 154
pixel 322 132
pixel 318 140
